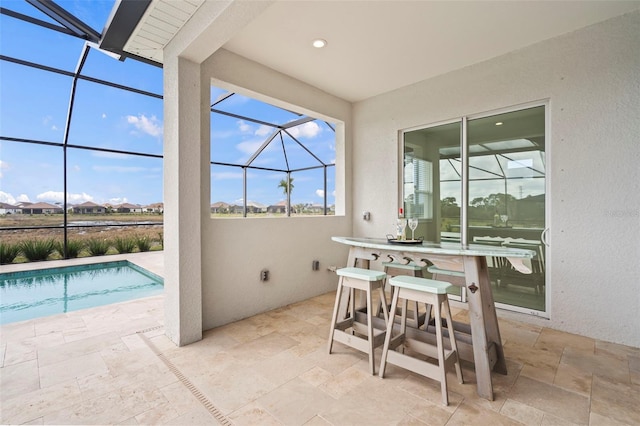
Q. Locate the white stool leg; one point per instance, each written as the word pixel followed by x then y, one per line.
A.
pixel 383 303
pixel 452 339
pixel 370 334
pixel 334 317
pixel 387 337
pixel 441 359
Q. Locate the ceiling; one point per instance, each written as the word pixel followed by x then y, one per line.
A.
pixel 373 46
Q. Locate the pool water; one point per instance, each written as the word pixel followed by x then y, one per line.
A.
pixel 39 293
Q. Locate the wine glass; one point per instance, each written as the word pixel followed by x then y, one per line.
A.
pixel 413 224
pixel 401 224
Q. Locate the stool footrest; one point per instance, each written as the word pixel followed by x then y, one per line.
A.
pixel 343 325
pixel 418 366
pixel 364 330
pixel 357 342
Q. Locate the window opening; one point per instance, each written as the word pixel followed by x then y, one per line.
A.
pixel 279 155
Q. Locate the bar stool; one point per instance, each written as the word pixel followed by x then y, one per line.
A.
pixel 348 330
pixel 426 291
pixel 415 318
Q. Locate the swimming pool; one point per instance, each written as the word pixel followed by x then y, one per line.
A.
pixel 38 293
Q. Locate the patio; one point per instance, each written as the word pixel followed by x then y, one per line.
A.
pixel 114 365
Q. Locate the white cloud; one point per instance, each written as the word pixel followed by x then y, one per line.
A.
pixel 76 168
pixel 306 130
pixel 118 200
pixel 249 147
pixel 264 130
pixel 104 115
pixel 320 192
pixel 58 196
pixel 149 125
pixel 243 126
pixel 23 198
pixel 7 198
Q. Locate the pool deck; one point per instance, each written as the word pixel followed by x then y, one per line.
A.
pixel 153 261
pixel 114 365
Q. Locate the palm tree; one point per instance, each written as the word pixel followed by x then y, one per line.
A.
pixel 286 188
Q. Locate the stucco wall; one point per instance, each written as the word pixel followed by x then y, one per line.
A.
pixel 234 251
pixel 592 81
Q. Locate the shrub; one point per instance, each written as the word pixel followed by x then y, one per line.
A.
pixel 97 246
pixel 144 243
pixel 125 245
pixel 73 248
pixel 36 250
pixel 161 235
pixel 8 253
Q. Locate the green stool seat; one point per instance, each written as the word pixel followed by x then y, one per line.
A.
pixel 361 274
pixel 420 284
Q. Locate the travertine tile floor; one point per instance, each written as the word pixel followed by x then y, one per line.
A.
pixel 113 365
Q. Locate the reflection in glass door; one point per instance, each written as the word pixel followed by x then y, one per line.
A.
pixel 504 202
pixel 507 198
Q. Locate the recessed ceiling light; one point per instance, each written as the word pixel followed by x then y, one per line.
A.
pixel 319 43
pixel 499 123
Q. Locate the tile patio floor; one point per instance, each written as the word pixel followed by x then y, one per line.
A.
pixel 113 365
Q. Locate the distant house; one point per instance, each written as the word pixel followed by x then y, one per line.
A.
pixel 6 208
pixel 128 208
pixel 280 207
pixel 154 208
pixel 252 207
pixel 220 207
pixel 316 208
pixel 89 207
pixel 40 208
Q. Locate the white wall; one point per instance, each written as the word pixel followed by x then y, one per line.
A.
pixel 234 251
pixel 592 80
pixel 182 283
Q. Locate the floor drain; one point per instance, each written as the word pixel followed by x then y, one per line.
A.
pixel 221 418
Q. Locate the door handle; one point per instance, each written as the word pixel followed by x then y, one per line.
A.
pixel 543 237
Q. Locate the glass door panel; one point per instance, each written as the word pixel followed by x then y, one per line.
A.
pixel 507 198
pixel 432 185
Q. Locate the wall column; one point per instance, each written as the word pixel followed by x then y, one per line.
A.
pixel 182 189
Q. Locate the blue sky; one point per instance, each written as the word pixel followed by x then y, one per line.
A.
pixel 33 105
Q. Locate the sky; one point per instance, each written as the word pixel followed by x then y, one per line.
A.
pixel 34 104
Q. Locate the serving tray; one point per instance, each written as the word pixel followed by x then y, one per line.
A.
pixel 392 240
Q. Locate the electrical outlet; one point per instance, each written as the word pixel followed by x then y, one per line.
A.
pixel 264 275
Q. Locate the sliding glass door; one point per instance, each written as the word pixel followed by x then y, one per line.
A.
pixel 497 199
